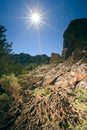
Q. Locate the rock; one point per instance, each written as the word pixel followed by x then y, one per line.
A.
pixel 75 40
pixel 56 58
pixel 55 102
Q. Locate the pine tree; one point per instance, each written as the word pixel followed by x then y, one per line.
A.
pixel 5 51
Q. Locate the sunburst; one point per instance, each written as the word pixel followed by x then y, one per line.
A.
pixel 35 18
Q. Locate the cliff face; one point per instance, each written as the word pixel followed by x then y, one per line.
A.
pixel 75 40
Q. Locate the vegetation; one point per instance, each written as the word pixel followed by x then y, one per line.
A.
pixel 5 50
pixel 4 98
pixel 26 59
pixel 80 105
pixel 42 92
pixel 47 92
pixel 9 83
pixel 80 99
pixel 24 80
pixel 31 66
pixel 38 91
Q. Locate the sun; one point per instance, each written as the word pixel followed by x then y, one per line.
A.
pixel 35 18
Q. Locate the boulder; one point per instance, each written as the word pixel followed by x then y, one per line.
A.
pixel 56 58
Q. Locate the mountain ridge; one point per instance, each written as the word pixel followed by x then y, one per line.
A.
pixel 26 59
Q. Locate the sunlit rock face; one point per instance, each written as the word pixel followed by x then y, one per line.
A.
pixel 75 40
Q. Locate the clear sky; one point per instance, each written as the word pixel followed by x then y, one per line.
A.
pixel 57 14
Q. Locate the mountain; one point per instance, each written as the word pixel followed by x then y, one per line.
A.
pixel 26 59
pixel 75 40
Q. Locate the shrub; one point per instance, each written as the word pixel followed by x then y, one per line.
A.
pixel 47 92
pixel 80 104
pixel 10 84
pixel 24 80
pixel 31 66
pixel 43 92
pixel 5 102
pixel 38 91
pixel 80 99
pixel 4 98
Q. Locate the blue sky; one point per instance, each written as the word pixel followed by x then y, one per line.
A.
pixel 48 39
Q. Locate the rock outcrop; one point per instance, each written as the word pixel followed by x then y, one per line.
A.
pixel 75 40
pixel 56 58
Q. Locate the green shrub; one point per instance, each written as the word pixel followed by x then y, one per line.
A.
pixel 4 98
pixel 10 84
pixel 5 102
pixel 38 91
pixel 80 104
pixel 47 92
pixel 43 92
pixel 24 80
pixel 31 66
pixel 80 99
pixel 8 81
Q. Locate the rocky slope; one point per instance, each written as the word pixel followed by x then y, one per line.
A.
pixel 54 98
pixel 75 40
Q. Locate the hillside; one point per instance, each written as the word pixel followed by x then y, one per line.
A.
pixel 55 98
pixel 51 97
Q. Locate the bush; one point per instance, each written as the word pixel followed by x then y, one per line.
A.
pixel 24 80
pixel 10 84
pixel 5 102
pixel 4 98
pixel 47 92
pixel 38 91
pixel 80 104
pixel 31 66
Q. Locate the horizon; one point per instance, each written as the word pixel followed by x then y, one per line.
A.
pixel 48 38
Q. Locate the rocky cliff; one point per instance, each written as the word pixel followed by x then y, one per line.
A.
pixel 75 40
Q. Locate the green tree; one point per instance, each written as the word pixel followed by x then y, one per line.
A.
pixel 5 50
